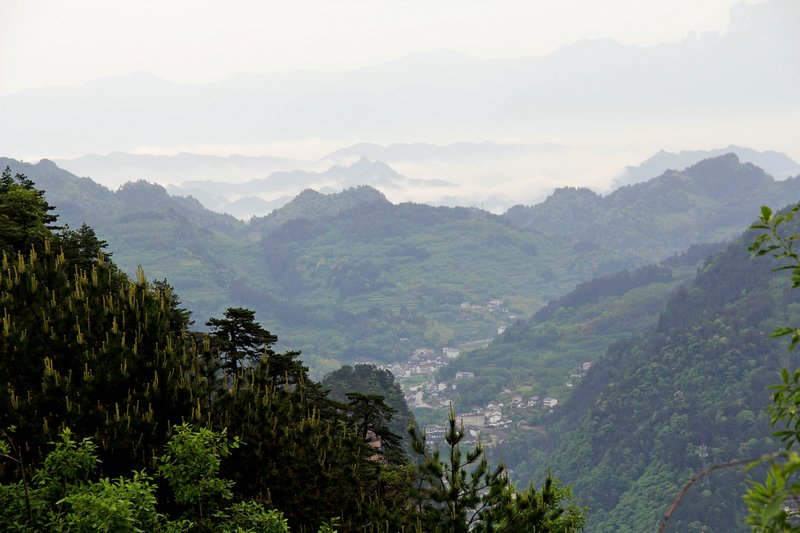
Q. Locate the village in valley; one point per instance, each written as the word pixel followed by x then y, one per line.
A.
pixel 417 377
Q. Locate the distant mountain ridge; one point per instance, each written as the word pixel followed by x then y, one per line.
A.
pixel 461 173
pixel 707 202
pixel 442 94
pixel 778 165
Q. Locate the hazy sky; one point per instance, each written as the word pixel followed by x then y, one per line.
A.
pixel 609 105
pixel 47 43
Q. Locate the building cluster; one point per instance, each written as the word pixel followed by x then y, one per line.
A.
pixel 422 361
pixel 488 425
pixel 491 305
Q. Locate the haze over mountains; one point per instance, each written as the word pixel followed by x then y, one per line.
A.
pixel 577 116
pixel 350 276
pixel 433 95
pixel 266 183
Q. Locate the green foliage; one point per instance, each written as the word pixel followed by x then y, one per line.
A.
pixel 25 218
pixel 772 504
pixel 460 490
pixel 710 201
pixel 68 464
pixel 371 381
pixel 549 509
pixel 251 516
pixel 541 355
pixel 289 267
pixel 84 347
pixel 82 247
pixel 191 465
pixel 370 417
pixel 780 246
pixel 65 498
pixel 121 505
pixel 93 351
pixel 346 277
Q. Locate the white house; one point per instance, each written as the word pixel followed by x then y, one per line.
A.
pixel 550 402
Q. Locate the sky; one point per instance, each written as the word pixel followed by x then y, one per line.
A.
pixel 686 77
pixel 47 43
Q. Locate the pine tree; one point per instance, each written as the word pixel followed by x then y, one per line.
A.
pixel 239 338
pixel 25 216
pixel 459 493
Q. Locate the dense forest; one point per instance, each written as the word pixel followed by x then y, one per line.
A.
pixel 116 416
pixel 681 365
pixel 710 201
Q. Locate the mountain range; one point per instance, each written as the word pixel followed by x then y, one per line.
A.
pixel 679 360
pixel 352 276
pixel 493 176
pixel 776 164
pixel 709 201
pixel 638 95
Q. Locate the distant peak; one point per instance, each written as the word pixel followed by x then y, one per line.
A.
pixel 725 175
pixel 46 163
pixel 309 193
pixel 367 163
pixel 729 160
pixel 568 192
pixel 363 192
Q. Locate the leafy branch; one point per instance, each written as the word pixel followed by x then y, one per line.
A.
pixel 773 503
pixel 782 247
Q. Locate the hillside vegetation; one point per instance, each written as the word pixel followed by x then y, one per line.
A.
pixel 685 394
pixel 351 277
pixel 543 356
pixel 345 276
pixel 116 416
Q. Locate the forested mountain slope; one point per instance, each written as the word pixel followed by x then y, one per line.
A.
pixel 345 276
pixel 116 416
pixel 543 356
pixel 707 202
pixel 687 394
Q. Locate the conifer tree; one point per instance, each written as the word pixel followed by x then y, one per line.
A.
pixel 463 493
pixel 371 417
pixel 457 494
pixel 82 247
pixel 25 216
pixel 239 338
pixel 91 350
